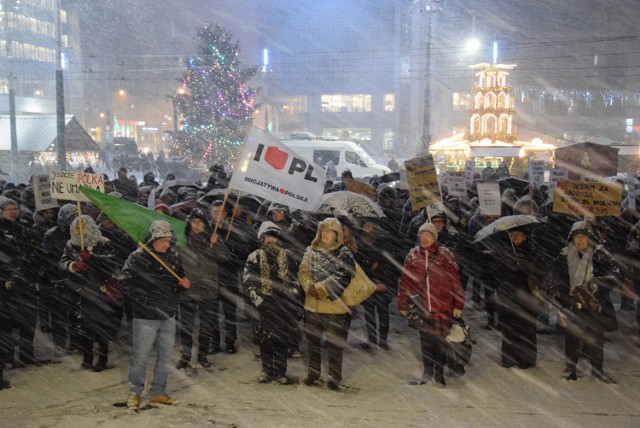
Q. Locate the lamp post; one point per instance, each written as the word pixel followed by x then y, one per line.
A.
pixel 60 113
pixel 426 118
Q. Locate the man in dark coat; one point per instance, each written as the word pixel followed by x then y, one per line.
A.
pixel 153 292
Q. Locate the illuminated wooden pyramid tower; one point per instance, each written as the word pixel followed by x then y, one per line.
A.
pixel 491 112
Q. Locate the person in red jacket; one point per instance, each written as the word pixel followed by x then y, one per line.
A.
pixel 431 278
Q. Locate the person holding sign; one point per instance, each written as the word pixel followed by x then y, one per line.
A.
pixel 153 291
pixel 580 281
pixel 89 259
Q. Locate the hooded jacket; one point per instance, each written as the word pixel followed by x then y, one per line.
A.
pixel 201 261
pixel 329 269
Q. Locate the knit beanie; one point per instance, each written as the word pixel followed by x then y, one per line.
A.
pixel 428 227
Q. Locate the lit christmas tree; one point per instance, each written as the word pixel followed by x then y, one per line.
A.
pixel 215 102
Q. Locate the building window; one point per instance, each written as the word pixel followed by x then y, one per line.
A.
pixel 389 102
pixel 346 103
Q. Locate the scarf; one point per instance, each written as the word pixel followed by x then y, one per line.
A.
pixel 580 268
pixel 265 271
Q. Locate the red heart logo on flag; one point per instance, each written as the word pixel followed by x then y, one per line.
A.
pixel 276 157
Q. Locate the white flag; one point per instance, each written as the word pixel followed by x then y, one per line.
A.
pixel 269 169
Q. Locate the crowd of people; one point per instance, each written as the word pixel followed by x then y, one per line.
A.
pixel 82 279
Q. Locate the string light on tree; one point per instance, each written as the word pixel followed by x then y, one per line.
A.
pixel 215 101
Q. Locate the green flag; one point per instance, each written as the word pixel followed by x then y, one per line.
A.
pixel 132 218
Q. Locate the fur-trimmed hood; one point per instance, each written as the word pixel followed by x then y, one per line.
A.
pixel 333 224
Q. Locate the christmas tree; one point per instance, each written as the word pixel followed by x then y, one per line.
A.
pixel 215 101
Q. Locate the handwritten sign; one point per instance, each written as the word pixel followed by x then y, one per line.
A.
pixel 423 182
pixel 489 199
pixel 558 174
pixel 42 193
pixel 457 185
pixel 536 172
pixel 65 185
pixel 586 198
pixel 631 186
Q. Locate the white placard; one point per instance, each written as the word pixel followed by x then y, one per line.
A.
pixel 42 193
pixel 558 174
pixel 456 183
pixel 489 198
pixel 65 185
pixel 536 172
pixel 631 194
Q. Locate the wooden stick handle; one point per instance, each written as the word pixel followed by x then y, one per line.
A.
pixel 80 226
pixel 159 260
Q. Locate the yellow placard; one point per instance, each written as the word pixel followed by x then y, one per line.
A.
pixel 587 198
pixel 359 187
pixel 423 182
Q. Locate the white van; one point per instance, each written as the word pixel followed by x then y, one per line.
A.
pixel 344 154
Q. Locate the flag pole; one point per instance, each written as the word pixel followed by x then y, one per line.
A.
pixel 80 226
pixel 159 260
pixel 226 195
pixel 233 215
pixel 220 217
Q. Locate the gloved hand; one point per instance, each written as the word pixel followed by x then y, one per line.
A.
pixel 85 255
pixel 79 267
pixel 8 284
pixel 457 313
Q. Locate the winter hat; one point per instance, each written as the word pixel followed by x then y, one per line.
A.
pixel 160 229
pixel 428 227
pixel 6 201
pixel 332 224
pixel 198 213
pixel 581 228
pixel 268 228
pixel 149 176
pixel 278 207
pixel 116 195
pixel 163 208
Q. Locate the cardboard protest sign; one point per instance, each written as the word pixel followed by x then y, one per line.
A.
pixel 42 193
pixel 65 185
pixel 423 182
pixel 359 187
pixel 457 185
pixel 587 199
pixel 489 199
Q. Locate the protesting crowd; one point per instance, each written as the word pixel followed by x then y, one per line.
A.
pixel 287 273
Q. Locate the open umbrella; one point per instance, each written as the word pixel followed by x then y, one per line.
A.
pixel 518 184
pixel 349 204
pixel 506 223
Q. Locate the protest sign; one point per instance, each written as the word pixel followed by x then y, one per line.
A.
pixel 423 182
pixel 42 193
pixel 587 199
pixel 65 185
pixel 536 172
pixel 558 174
pixel 489 199
pixel 469 171
pixel 457 185
pixel 359 187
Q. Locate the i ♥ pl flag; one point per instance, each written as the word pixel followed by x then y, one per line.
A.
pixel 267 168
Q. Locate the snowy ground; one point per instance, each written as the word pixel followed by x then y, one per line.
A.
pixel 228 395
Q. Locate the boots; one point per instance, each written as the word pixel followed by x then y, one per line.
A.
pixel 570 372
pixel 102 363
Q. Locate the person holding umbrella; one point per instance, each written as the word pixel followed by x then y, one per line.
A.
pixel 514 261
